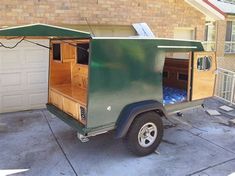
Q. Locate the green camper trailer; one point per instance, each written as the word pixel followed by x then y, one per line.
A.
pixel 98 84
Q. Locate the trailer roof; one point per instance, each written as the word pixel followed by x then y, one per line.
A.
pixel 42 30
pixel 166 44
pixel 49 31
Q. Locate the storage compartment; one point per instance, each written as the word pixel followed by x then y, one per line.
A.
pixel 56 99
pixel 71 107
pixel 176 80
pixel 68 80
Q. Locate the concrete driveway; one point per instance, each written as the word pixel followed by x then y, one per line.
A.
pixel 37 143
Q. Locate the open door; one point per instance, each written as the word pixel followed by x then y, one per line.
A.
pixel 203 75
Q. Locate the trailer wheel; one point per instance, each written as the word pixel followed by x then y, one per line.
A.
pixel 145 134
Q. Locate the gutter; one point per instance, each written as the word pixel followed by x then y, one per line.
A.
pixel 214 7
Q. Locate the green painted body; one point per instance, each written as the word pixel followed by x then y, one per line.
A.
pixel 124 71
pixel 121 71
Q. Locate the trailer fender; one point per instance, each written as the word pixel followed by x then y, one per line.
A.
pixel 130 111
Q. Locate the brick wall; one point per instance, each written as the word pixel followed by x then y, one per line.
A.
pixel 226 61
pixel 220 37
pixel 162 16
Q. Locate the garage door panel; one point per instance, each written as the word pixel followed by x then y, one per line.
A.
pixel 10 59
pixel 23 76
pixel 23 101
pixel 10 79
pixel 32 80
pixel 13 101
pixel 37 81
pixel 38 99
pixel 34 58
pixel 37 78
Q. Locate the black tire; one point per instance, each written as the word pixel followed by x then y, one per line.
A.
pixel 131 139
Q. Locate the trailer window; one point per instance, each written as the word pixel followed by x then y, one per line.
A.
pixel 56 51
pixel 182 77
pixel 82 53
pixel 204 63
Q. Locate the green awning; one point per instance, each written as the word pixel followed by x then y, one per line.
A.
pixel 42 30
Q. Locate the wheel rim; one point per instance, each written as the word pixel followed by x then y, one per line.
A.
pixel 147 134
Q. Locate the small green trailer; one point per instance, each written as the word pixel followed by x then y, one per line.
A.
pixel 123 84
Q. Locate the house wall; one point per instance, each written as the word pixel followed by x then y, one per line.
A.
pixel 220 37
pixel 115 18
pixel 226 61
pixel 162 16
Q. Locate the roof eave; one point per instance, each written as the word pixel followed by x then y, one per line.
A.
pixel 208 9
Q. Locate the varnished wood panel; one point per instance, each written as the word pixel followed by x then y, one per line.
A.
pixel 56 99
pixel 60 73
pixel 68 81
pixel 69 99
pixel 68 52
pixel 73 92
pixel 203 81
pixel 66 104
pixel 67 71
pixel 79 75
pixel 71 107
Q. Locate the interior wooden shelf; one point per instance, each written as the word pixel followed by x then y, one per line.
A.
pixel 72 92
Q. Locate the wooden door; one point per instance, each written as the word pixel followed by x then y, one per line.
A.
pixel 204 73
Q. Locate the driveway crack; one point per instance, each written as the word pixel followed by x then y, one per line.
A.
pixel 209 167
pixel 228 150
pixel 192 126
pixel 57 141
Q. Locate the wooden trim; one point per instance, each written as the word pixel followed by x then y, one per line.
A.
pixel 189 89
pixel 216 65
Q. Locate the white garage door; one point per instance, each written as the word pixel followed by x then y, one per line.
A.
pixel 23 76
